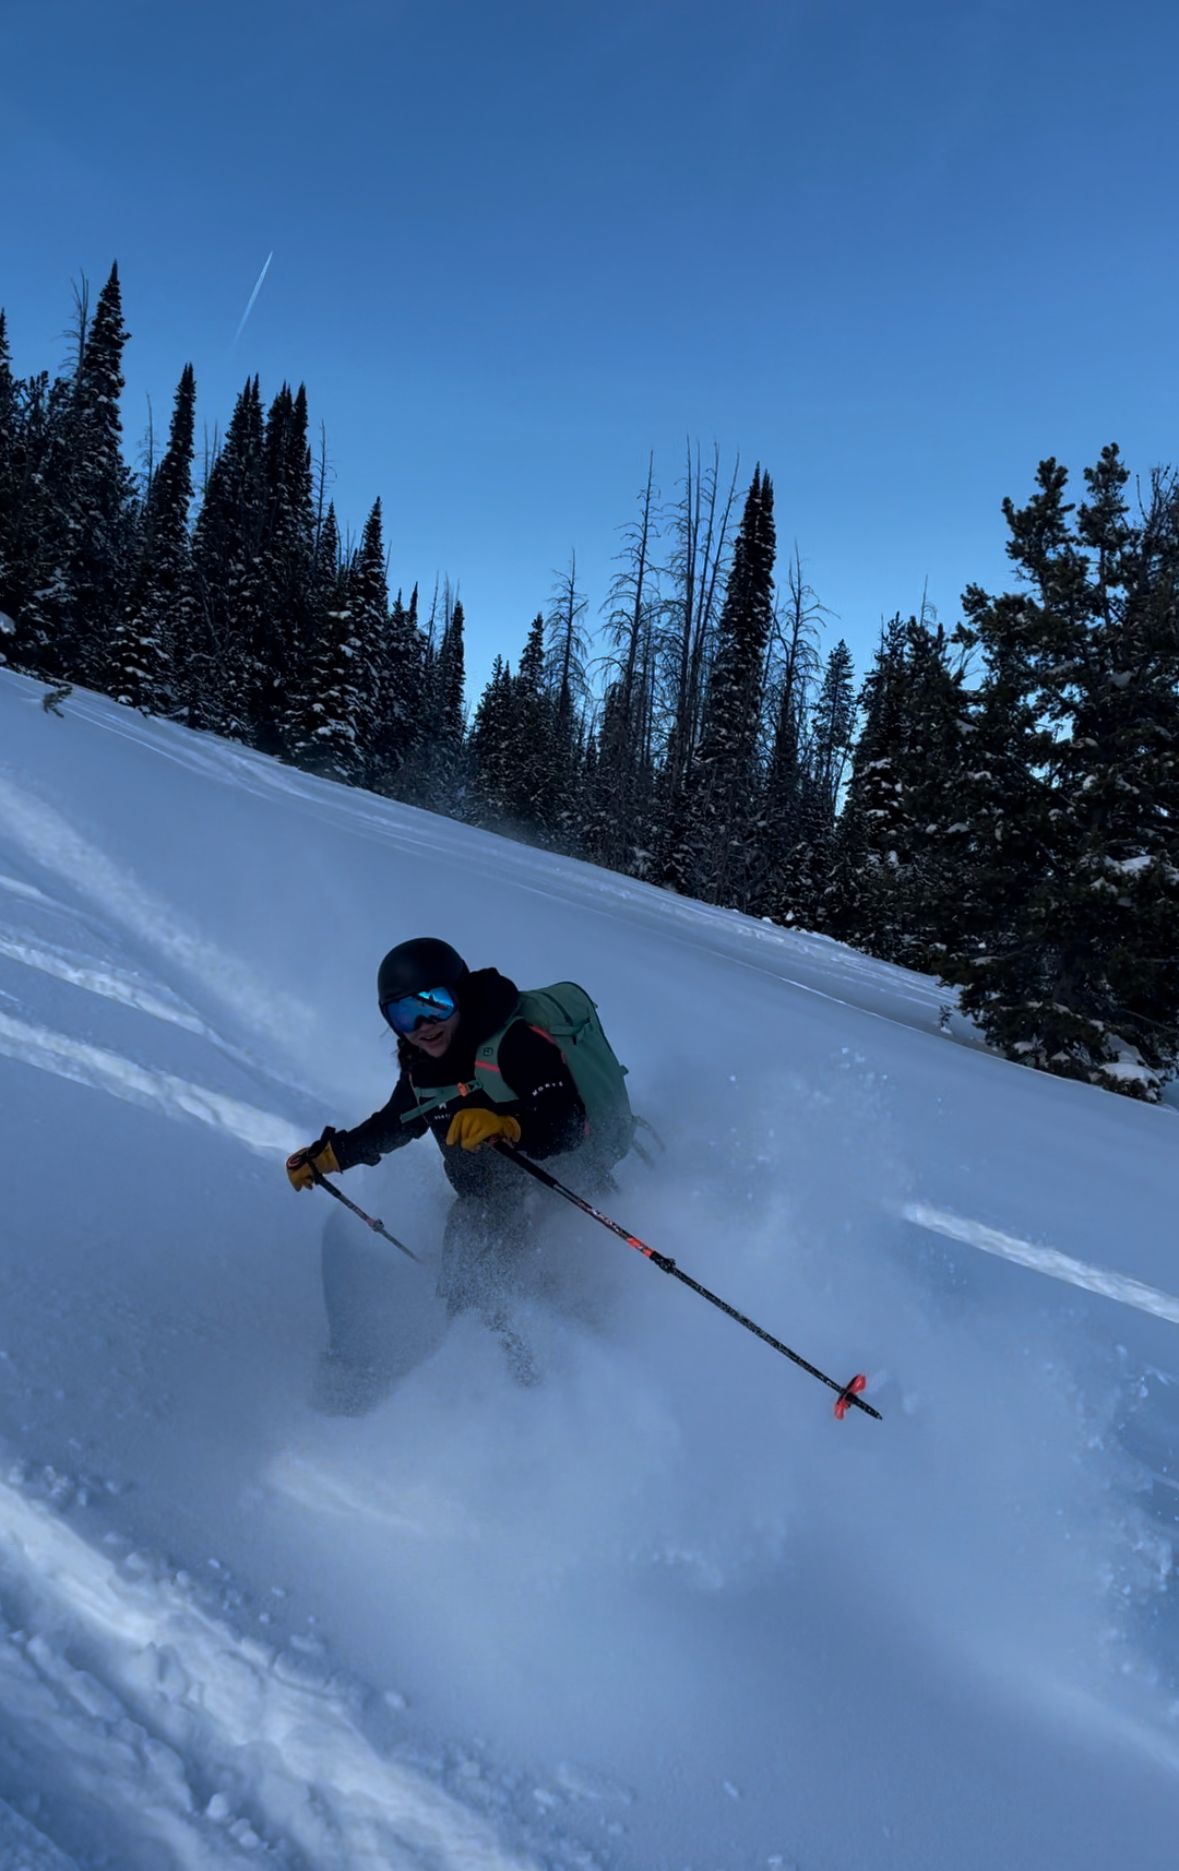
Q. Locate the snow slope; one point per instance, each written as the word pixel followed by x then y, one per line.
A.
pixel 659 1611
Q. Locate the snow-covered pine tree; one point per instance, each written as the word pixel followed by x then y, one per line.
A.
pixel 397 753
pixel 725 780
pixel 368 604
pixel 444 728
pixel 831 735
pixel 530 727
pixel 33 586
pixel 860 900
pixel 73 563
pixel 1084 981
pixel 10 451
pixel 289 550
pixel 833 726
pixel 304 712
pixel 449 726
pixel 993 829
pixel 141 669
pixel 101 508
pixel 931 757
pixel 882 886
pixel 433 769
pixel 490 750
pixel 232 598
pixel 335 685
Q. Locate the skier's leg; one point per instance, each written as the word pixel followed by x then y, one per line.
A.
pixel 481 1248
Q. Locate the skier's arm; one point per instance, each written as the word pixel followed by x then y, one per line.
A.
pixel 548 1109
pixel 382 1132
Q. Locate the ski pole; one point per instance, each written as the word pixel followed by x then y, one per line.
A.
pixel 849 1393
pixel 370 1221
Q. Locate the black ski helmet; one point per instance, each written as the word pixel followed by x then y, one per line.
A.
pixel 415 966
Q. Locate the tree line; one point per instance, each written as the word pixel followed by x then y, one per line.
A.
pixel 997 804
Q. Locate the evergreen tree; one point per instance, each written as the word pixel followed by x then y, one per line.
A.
pixel 368 605
pixel 304 714
pixel 404 722
pixel 726 776
pixel 934 747
pixel 289 549
pixel 992 822
pixel 98 506
pixel 328 730
pixel 447 726
pixel 33 584
pixel 532 776
pixel 860 902
pixel 141 670
pixel 881 890
pixel 10 450
pixel 1083 979
pixel 833 729
pixel 254 570
pixel 233 601
pixel 825 759
pixel 68 540
pixel 491 749
pixel 451 683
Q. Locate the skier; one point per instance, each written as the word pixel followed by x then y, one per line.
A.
pixel 477 1070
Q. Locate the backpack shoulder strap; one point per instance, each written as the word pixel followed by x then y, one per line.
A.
pixel 487 1077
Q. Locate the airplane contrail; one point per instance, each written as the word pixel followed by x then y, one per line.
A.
pixel 257 289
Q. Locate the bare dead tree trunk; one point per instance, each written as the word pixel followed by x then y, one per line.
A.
pixel 702 525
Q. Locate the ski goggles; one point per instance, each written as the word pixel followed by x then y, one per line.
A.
pixel 410 1011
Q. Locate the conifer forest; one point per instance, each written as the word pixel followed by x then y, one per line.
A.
pixel 996 803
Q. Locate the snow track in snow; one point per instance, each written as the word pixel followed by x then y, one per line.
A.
pixel 178 1098
pixel 45 835
pixel 1047 1260
pixel 109 984
pixel 224 1752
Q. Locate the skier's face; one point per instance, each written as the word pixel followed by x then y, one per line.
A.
pixel 434 1036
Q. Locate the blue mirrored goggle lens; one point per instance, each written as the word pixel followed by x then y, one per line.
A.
pixel 414 1010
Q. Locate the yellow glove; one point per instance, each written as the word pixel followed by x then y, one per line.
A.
pixel 475 1128
pixel 318 1155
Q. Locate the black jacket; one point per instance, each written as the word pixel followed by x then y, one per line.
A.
pixel 546 1105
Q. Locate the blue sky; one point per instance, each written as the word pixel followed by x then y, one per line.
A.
pixel 897 252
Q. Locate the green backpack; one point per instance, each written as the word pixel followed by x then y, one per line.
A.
pixel 565 1014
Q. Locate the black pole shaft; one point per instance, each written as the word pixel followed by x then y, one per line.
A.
pixel 378 1227
pixel 667 1265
